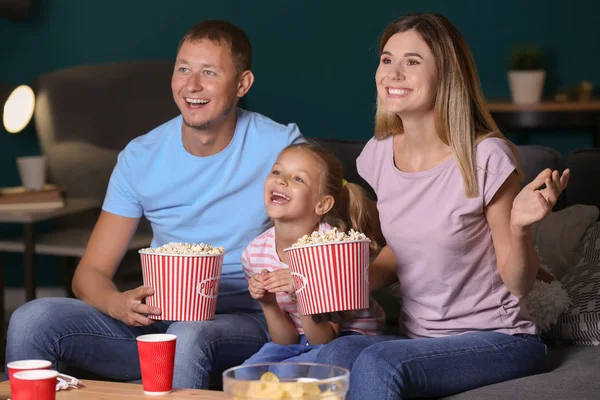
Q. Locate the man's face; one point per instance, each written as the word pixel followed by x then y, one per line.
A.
pixel 205 83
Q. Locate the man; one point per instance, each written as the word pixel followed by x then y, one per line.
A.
pixel 197 178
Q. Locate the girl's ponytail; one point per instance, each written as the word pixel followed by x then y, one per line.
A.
pixel 355 210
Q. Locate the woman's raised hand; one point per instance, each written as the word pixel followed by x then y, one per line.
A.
pixel 532 203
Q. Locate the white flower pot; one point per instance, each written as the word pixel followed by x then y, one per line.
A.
pixel 526 86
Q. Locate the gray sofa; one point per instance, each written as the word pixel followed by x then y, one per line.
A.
pixel 82 139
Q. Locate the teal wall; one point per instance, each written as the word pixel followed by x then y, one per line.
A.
pixel 314 61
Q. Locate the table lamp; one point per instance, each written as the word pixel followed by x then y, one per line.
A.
pixel 17 113
pixel 18 109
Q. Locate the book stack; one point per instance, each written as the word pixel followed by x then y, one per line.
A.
pixel 19 199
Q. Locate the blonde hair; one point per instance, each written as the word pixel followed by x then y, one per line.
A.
pixel 462 117
pixel 351 207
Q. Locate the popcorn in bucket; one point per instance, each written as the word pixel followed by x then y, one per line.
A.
pixel 185 279
pixel 330 272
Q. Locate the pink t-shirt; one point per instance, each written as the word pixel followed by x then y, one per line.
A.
pixel 446 261
pixel 262 254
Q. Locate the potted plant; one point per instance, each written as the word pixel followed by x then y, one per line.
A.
pixel 526 76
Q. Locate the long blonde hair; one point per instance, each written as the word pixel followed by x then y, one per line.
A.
pixel 351 207
pixel 462 118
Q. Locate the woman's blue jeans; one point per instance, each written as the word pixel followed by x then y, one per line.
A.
pixel 392 367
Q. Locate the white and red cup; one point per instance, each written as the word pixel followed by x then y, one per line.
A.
pixel 185 286
pixel 25 365
pixel 38 384
pixel 157 361
pixel 330 277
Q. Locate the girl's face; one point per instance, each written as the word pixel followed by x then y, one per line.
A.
pixel 407 74
pixel 293 188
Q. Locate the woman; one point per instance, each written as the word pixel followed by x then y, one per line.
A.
pixel 455 222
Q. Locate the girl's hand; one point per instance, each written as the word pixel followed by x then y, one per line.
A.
pixel 532 204
pixel 280 281
pixel 257 289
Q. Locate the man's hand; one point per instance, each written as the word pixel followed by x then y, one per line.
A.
pixel 257 289
pixel 127 307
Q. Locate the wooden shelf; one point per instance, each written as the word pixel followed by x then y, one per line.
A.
pixel 545 106
pixel 547 116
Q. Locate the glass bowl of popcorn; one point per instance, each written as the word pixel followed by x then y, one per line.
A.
pixel 185 278
pixel 286 381
pixel 330 271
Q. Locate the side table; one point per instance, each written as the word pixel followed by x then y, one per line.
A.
pixel 27 244
pixel 64 243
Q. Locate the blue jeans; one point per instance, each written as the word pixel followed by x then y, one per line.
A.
pixel 76 333
pixel 273 352
pixel 392 367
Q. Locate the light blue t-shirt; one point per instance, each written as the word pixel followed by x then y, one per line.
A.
pixel 216 199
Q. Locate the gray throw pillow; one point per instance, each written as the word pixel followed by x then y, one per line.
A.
pixel 559 236
pixel 580 325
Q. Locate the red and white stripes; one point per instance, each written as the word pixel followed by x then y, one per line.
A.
pixel 185 287
pixel 330 277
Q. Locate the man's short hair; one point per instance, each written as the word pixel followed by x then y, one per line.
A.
pixel 223 32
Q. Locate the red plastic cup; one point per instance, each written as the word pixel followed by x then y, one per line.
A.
pixel 157 361
pixel 38 384
pixel 25 365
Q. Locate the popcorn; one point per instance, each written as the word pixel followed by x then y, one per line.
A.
pixel 331 236
pixel 186 249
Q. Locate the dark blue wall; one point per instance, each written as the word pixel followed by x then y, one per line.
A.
pixel 314 60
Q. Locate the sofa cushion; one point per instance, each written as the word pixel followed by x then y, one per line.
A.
pixel 559 236
pixel 591 245
pixel 103 104
pixel 585 169
pixel 581 323
pixel 534 159
pixel 573 375
pixel 347 151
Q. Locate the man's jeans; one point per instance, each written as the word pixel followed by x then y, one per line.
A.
pixel 74 332
pixel 392 367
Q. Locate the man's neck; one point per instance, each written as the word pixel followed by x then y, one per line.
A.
pixel 209 141
pixel 288 232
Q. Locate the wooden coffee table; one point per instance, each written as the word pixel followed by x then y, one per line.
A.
pixel 97 390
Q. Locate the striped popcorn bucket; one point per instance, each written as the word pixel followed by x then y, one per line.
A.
pixel 185 286
pixel 330 277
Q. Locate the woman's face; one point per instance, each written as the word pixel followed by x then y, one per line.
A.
pixel 407 75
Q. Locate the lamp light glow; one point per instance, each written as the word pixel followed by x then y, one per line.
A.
pixel 18 109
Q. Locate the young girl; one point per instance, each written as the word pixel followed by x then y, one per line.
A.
pixel 305 192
